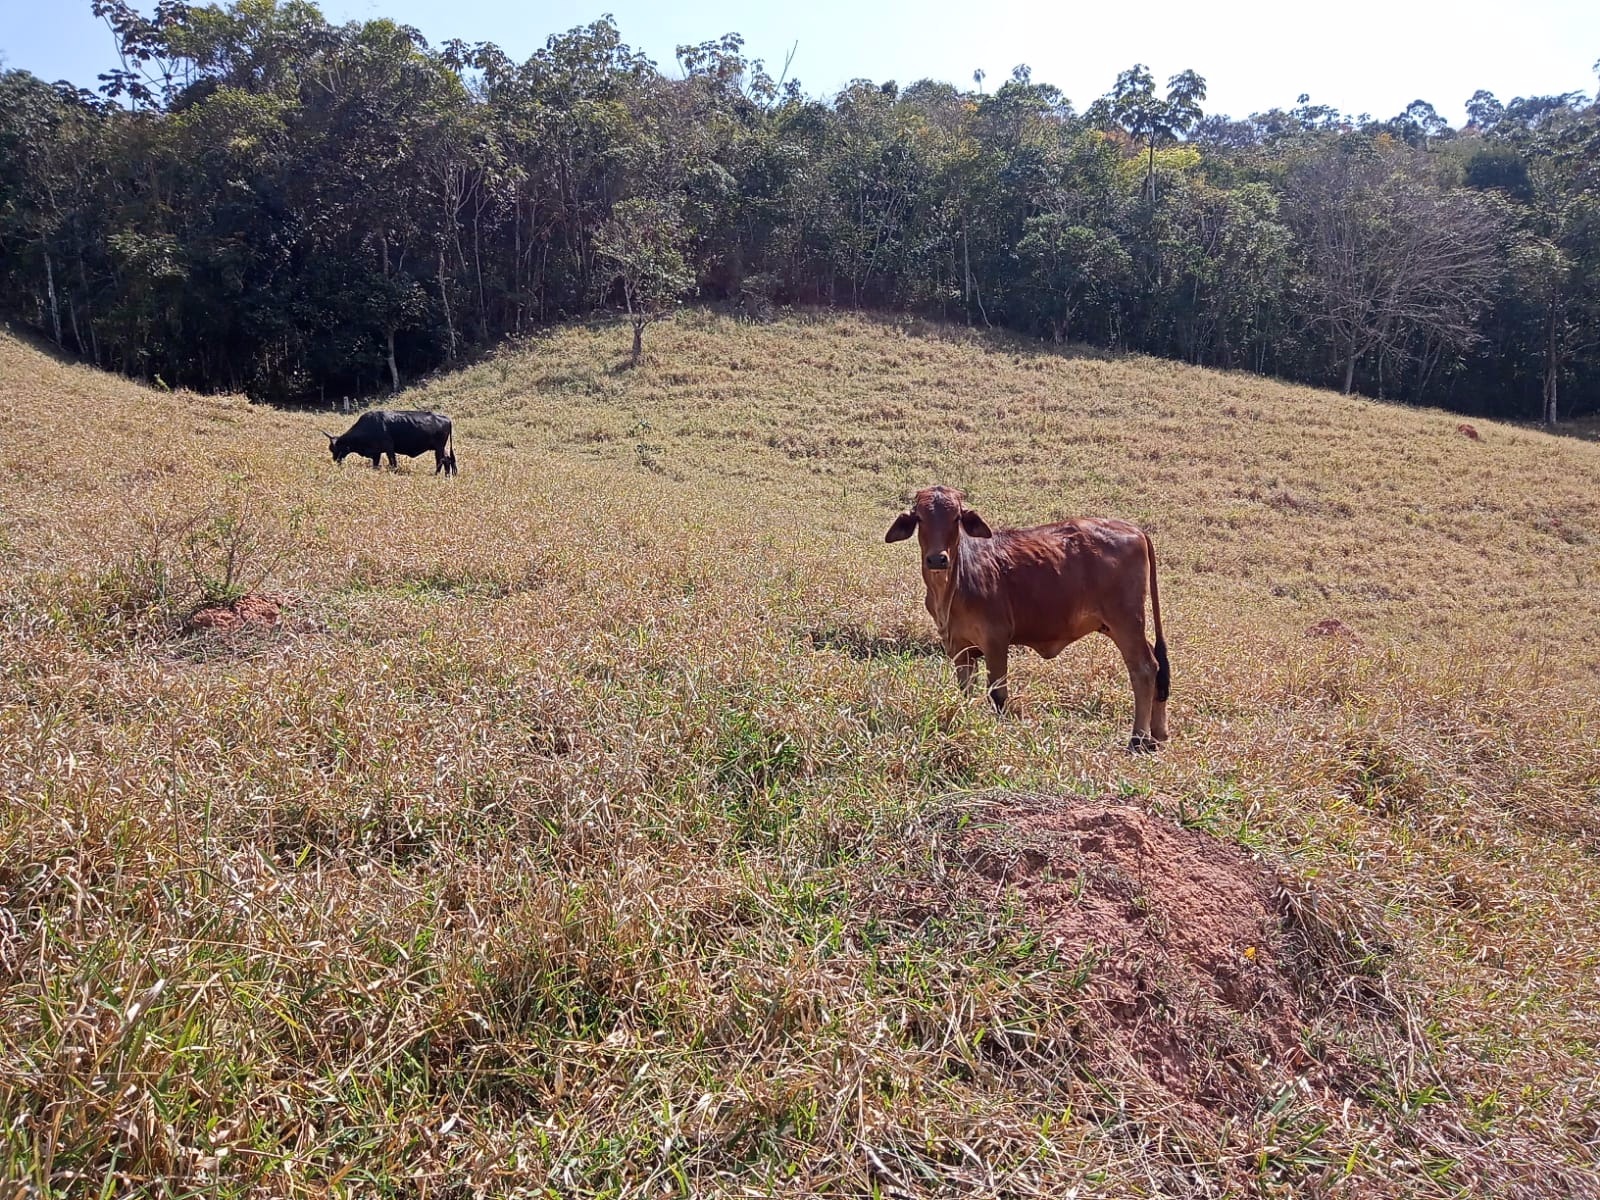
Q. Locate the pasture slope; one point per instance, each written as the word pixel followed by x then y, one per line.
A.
pixel 604 822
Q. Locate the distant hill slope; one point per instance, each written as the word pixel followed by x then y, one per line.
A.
pixel 1301 501
pixel 606 819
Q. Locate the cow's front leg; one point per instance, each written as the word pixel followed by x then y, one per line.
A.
pixel 966 666
pixel 995 658
pixel 377 461
pixel 394 463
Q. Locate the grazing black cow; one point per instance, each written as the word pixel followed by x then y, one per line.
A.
pixel 410 433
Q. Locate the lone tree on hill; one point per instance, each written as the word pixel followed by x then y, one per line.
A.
pixel 643 243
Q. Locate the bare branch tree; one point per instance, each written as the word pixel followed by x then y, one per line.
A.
pixel 1390 258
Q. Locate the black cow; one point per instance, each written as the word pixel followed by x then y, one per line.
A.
pixel 410 433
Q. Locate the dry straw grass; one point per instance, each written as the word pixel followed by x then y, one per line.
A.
pixel 556 843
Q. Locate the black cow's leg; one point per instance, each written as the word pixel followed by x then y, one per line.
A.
pixel 394 463
pixel 377 461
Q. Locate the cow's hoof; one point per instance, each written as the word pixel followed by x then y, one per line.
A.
pixel 1143 744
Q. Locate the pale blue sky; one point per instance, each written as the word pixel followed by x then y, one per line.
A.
pixel 1360 56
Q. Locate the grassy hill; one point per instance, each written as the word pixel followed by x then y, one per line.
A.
pixel 606 822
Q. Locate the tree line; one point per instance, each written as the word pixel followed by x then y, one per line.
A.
pixel 257 199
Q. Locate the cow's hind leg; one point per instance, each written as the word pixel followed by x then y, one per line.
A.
pixel 1141 662
pixel 394 463
pixel 1158 708
pixel 438 461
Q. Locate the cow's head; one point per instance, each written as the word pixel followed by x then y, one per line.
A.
pixel 337 447
pixel 938 518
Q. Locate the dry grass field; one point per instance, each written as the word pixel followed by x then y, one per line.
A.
pixel 605 821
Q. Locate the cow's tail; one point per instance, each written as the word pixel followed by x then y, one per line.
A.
pixel 1163 667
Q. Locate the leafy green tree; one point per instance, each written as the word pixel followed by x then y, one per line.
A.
pixel 1419 125
pixel 1542 335
pixel 1558 261
pixel 47 143
pixel 1151 120
pixel 1484 111
pixel 642 246
pixel 1072 267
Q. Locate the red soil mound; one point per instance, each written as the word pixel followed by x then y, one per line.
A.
pixel 1192 977
pixel 249 612
pixel 1332 627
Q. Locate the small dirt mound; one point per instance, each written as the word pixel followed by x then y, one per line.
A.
pixel 1332 627
pixel 252 612
pixel 1466 430
pixel 1191 970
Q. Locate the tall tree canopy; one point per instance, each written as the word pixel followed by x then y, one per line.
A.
pixel 256 198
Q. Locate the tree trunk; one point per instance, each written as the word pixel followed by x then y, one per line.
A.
pixel 77 334
pixel 544 271
pixel 969 286
pixel 394 370
pixel 88 308
pixel 1552 371
pixel 966 272
pixel 477 264
pixel 1350 371
pixel 638 319
pixel 55 307
pixel 516 266
pixel 444 301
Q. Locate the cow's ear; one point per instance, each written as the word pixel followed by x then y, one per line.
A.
pixel 975 525
pixel 904 526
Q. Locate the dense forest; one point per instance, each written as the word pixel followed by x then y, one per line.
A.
pixel 258 199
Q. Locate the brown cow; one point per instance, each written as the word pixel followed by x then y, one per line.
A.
pixel 1044 587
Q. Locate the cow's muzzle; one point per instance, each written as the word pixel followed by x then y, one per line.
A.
pixel 938 562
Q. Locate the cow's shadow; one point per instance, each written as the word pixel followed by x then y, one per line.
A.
pixel 867 645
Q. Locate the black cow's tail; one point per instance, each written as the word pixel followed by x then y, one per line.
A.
pixel 1163 667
